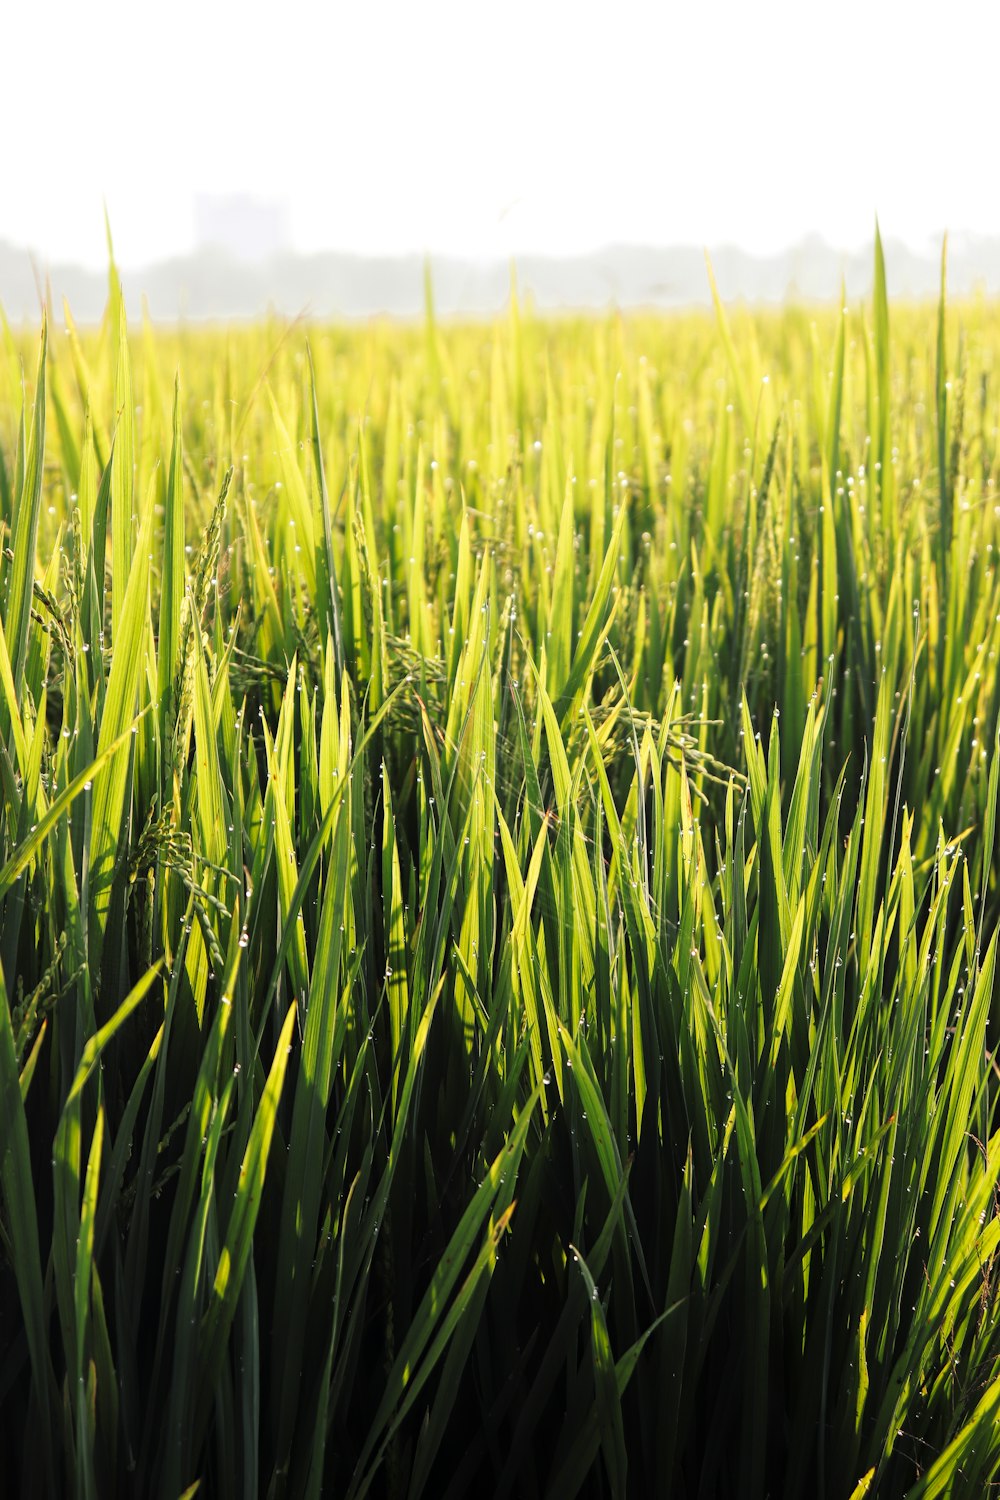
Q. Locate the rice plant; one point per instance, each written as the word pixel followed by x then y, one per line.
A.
pixel 498 906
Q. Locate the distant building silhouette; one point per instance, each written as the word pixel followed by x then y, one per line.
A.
pixel 247 228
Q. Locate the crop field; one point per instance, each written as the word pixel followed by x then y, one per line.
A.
pixel 499 906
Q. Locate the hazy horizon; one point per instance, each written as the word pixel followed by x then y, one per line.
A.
pixel 451 130
pixel 251 255
pixel 219 283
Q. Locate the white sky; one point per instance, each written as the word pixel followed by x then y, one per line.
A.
pixel 488 128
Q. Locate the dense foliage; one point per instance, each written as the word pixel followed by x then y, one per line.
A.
pixel 451 1042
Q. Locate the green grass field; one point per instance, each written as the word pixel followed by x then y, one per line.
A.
pixel 499 905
